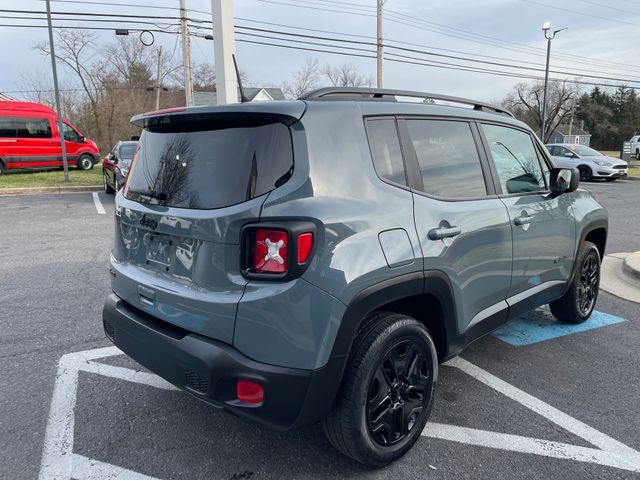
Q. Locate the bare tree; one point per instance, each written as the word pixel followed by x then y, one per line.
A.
pixel 111 84
pixel 346 75
pixel 204 78
pixel 526 104
pixel 305 79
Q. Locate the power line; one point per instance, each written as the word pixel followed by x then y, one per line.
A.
pixel 427 63
pixel 462 34
pixel 421 24
pixel 608 7
pixel 495 64
pixel 424 52
pixel 315 37
pixel 91 2
pixel 541 4
pixel 102 20
pixel 111 4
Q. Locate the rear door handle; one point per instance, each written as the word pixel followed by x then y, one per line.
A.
pixel 440 233
pixel 524 220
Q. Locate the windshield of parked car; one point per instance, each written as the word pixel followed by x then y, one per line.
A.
pixel 126 152
pixel 585 151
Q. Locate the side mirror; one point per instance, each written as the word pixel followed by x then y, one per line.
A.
pixel 564 180
pixel 569 155
pixel 82 139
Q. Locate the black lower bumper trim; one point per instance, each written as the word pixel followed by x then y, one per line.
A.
pixel 209 369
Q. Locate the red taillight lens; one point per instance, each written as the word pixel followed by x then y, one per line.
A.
pixel 271 251
pixel 249 392
pixel 305 242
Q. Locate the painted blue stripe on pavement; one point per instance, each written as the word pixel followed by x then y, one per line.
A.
pixel 540 325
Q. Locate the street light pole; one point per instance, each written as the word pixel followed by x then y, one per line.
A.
pixel 65 164
pixel 545 29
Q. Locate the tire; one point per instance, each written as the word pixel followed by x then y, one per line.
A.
pixel 85 162
pixel 577 304
pixel 611 179
pixel 1 168
pixel 107 188
pixel 376 398
pixel 586 175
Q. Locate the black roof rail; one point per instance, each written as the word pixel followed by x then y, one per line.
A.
pixel 388 95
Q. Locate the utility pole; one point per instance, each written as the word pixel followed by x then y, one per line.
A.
pixel 545 28
pixel 159 78
pixel 379 49
pixel 224 49
pixel 186 54
pixel 65 164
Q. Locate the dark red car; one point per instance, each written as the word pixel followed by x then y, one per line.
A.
pixel 115 166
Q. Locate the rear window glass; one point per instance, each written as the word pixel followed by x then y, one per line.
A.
pixel 127 151
pixel 211 168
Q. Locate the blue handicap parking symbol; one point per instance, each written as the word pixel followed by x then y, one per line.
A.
pixel 540 325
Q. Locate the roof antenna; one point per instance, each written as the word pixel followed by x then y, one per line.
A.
pixel 243 98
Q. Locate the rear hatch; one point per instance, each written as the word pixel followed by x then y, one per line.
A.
pixel 198 176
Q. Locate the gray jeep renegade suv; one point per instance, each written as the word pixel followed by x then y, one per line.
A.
pixel 317 259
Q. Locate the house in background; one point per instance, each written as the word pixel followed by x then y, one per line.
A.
pixel 253 95
pixel 570 133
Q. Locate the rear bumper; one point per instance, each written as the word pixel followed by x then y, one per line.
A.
pixel 208 369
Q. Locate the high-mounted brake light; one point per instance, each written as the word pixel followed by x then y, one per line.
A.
pixel 271 251
pixel 249 392
pixel 166 110
pixel 305 243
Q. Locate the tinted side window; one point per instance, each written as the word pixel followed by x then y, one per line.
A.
pixel 515 158
pixel 448 158
pixel 70 134
pixel 7 127
pixel 33 128
pixel 385 149
pixel 553 150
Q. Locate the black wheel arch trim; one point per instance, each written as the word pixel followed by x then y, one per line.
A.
pixel 586 230
pixel 327 381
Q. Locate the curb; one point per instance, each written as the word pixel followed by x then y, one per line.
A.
pixel 55 190
pixel 631 265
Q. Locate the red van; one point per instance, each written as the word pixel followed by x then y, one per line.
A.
pixel 29 138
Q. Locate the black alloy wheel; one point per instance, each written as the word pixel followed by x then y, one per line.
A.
pixel 587 288
pixel 585 174
pixel 398 392
pixel 578 302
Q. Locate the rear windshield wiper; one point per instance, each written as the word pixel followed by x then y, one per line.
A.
pixel 149 194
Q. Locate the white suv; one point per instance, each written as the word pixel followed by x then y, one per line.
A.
pixel 635 146
pixel 591 163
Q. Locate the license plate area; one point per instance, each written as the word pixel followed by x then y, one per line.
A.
pixel 159 249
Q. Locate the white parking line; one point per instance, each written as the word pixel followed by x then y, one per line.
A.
pixel 98 203
pixel 59 462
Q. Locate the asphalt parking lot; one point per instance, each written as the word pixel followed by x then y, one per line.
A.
pixel 533 401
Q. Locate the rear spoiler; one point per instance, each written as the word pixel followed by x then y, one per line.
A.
pixel 252 113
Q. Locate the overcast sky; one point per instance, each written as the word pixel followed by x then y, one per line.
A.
pixel 600 33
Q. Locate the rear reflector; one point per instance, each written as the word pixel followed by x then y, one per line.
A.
pixel 270 251
pixel 249 392
pixel 305 242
